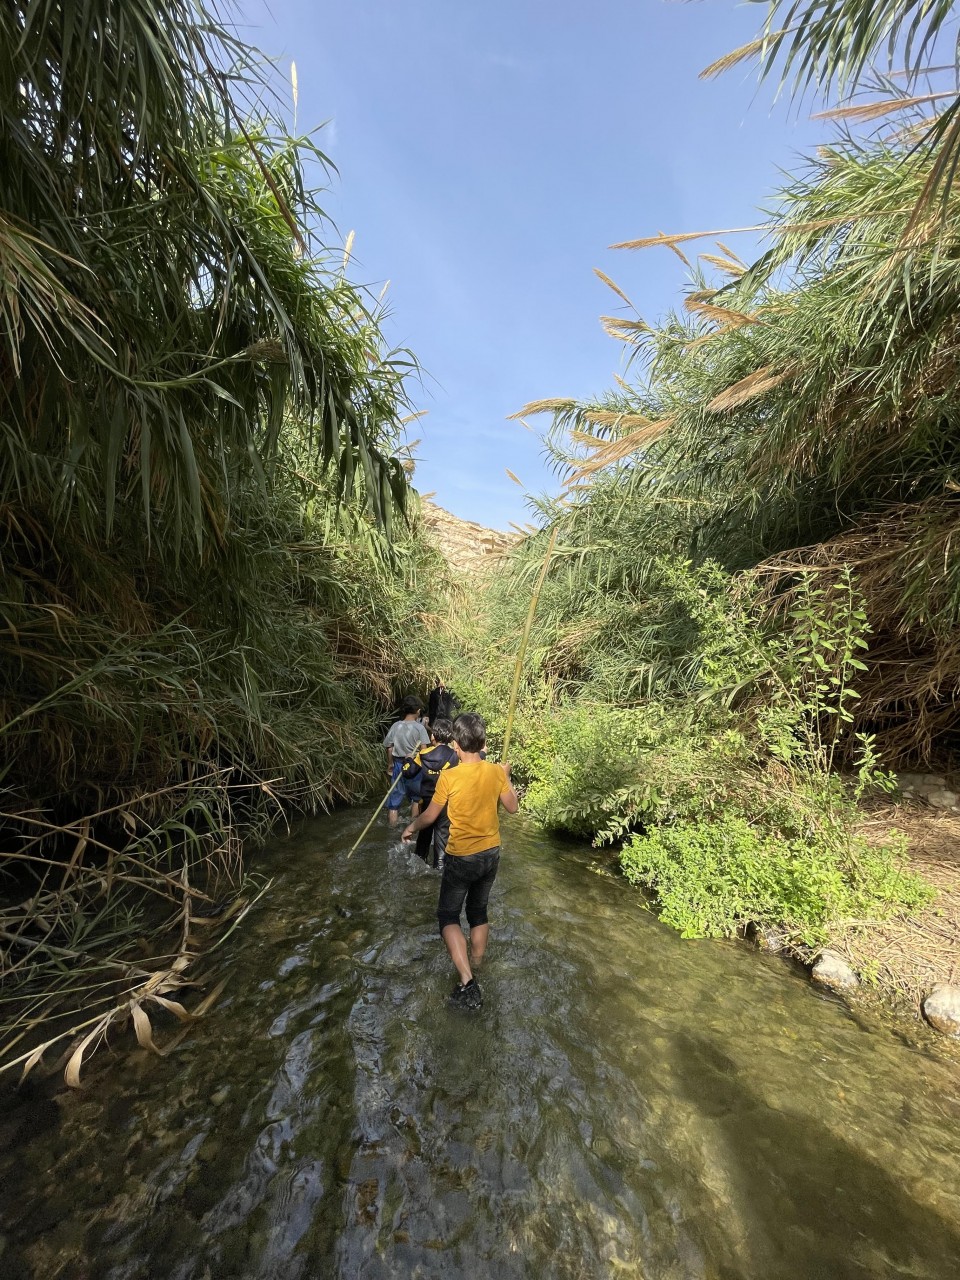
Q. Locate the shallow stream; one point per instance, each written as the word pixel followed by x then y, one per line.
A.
pixel 625 1104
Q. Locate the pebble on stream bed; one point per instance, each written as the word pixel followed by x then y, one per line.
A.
pixel 942 1010
pixel 831 970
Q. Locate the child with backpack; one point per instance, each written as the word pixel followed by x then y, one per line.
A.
pixel 472 794
pixel 427 765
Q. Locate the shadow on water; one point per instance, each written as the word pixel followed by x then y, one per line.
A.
pixel 625 1104
pixel 813 1203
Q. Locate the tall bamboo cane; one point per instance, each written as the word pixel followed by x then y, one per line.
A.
pixel 373 817
pixel 522 651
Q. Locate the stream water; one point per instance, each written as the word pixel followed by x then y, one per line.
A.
pixel 625 1104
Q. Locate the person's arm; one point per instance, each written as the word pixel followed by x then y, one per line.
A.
pixel 430 814
pixel 509 798
pixel 388 743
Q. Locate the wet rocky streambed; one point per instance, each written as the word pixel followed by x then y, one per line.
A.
pixel 626 1104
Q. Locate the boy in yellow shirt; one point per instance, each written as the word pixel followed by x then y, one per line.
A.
pixel 472 793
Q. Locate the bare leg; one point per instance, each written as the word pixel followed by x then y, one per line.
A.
pixel 392 815
pixel 414 809
pixel 479 934
pixel 457 946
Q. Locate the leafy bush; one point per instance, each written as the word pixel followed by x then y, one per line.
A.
pixel 589 772
pixel 724 779
pixel 712 877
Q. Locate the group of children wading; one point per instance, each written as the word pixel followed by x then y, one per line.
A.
pixel 454 795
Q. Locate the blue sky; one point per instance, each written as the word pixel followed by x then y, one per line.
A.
pixel 488 155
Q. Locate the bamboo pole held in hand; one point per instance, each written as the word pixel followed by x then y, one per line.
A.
pixel 373 819
pixel 522 651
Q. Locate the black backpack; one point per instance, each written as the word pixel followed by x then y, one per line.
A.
pixel 448 705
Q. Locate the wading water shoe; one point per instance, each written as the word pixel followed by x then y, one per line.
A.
pixel 466 995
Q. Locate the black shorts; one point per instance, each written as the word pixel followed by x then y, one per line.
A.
pixel 469 878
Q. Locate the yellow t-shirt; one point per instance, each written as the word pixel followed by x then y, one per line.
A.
pixel 472 793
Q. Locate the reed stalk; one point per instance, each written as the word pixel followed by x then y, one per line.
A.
pixel 524 639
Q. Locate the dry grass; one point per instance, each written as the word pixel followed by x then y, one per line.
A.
pixel 911 955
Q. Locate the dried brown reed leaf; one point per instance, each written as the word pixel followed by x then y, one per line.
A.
pixel 142 1027
pixel 736 56
pixel 82 842
pixel 558 404
pixel 583 438
pixel 207 1003
pixel 72 1071
pixel 608 452
pixel 679 252
pixel 615 418
pixel 723 315
pixel 615 287
pixel 671 241
pixel 755 384
pixel 733 269
pixel 874 110
pixel 32 1061
pixel 178 1010
pixel 815 224
pixel 731 255
pixel 515 479
pixel 624 330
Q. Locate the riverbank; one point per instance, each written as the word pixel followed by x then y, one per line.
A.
pixel 898 962
pixel 905 959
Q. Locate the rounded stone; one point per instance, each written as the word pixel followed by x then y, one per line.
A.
pixel 942 1010
pixel 831 970
pixel 210 1151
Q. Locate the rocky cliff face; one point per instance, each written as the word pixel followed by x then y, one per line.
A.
pixel 467 547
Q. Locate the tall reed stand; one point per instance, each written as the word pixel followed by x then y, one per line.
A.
pixel 522 651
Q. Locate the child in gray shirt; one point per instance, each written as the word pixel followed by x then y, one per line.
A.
pixel 402 741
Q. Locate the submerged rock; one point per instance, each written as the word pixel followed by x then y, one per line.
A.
pixel 831 970
pixel 942 1010
pixel 767 938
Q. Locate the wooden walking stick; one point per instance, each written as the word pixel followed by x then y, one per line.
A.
pixel 522 651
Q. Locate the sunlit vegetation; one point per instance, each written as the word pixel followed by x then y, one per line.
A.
pixel 212 584
pixel 753 605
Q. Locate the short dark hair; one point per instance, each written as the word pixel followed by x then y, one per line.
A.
pixel 470 731
pixel 410 706
pixel 442 729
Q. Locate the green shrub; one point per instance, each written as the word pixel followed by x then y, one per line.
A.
pixel 713 877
